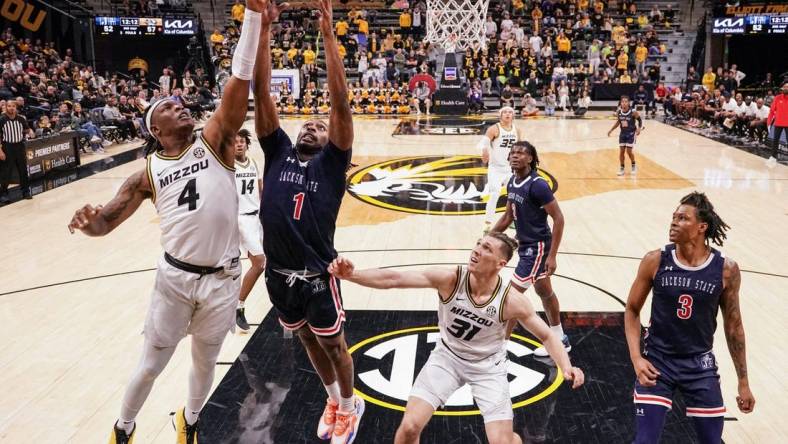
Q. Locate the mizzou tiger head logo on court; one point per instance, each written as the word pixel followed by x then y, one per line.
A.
pixel 434 185
pixel 387 365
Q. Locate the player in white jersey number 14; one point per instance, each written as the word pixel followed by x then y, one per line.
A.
pixel 191 181
pixel 473 314
pixel 249 183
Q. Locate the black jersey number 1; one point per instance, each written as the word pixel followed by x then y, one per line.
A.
pixel 299 204
pixel 189 195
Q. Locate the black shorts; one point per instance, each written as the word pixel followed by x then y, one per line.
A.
pixel 315 302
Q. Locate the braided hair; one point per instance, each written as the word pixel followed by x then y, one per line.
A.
pixel 704 210
pixel 152 145
pixel 531 150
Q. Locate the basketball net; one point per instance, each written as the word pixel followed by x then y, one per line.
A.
pixel 456 24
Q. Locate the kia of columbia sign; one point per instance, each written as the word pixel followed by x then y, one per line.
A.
pixel 179 26
pixel 728 25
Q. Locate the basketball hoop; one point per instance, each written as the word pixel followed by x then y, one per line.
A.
pixel 456 24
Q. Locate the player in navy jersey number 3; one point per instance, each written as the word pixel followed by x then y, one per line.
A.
pixel 304 184
pixel 691 281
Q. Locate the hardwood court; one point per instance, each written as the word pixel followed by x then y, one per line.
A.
pixel 72 307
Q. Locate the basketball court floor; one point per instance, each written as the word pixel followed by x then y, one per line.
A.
pixel 72 307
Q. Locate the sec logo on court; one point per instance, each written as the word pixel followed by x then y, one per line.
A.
pixel 434 185
pixel 387 365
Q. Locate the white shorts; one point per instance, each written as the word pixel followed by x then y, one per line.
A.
pixel 444 373
pixel 186 303
pixel 251 231
pixel 497 179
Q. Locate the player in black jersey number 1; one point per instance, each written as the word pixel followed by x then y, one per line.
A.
pixel 304 184
pixel 691 281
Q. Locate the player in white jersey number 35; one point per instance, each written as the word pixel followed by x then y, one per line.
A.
pixel 191 181
pixel 468 351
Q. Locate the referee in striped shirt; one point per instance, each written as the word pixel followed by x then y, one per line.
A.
pixel 13 129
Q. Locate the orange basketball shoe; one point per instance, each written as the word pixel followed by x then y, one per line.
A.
pixel 347 424
pixel 325 428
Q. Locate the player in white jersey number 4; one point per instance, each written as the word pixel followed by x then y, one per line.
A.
pixel 249 183
pixel 191 182
pixel 473 314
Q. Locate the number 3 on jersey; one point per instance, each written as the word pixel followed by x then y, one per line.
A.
pixel 299 204
pixel 686 307
pixel 189 195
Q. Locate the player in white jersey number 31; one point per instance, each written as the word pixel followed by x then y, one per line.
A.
pixel 473 353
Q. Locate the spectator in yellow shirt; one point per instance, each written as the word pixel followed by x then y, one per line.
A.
pixel 621 62
pixel 237 12
pixel 405 22
pixel 216 37
pixel 618 33
pixel 363 26
pixel 642 20
pixel 564 46
pixel 518 7
pixel 709 79
pixel 292 52
pixel 536 15
pixel 341 29
pixel 309 55
pixel 641 52
pixel 625 78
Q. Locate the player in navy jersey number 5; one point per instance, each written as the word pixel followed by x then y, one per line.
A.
pixel 530 201
pixel 304 184
pixel 691 281
pixel 630 123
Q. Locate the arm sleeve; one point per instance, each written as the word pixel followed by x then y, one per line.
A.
pixel 541 192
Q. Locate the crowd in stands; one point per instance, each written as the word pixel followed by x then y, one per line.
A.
pixel 557 50
pixel 150 8
pixel 56 94
pixel 382 59
pixel 384 98
pixel 717 102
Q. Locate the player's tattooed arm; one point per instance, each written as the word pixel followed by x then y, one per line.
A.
pixel 734 332
pixel 102 219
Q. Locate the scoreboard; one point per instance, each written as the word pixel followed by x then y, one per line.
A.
pixel 751 18
pixel 751 24
pixel 146 26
